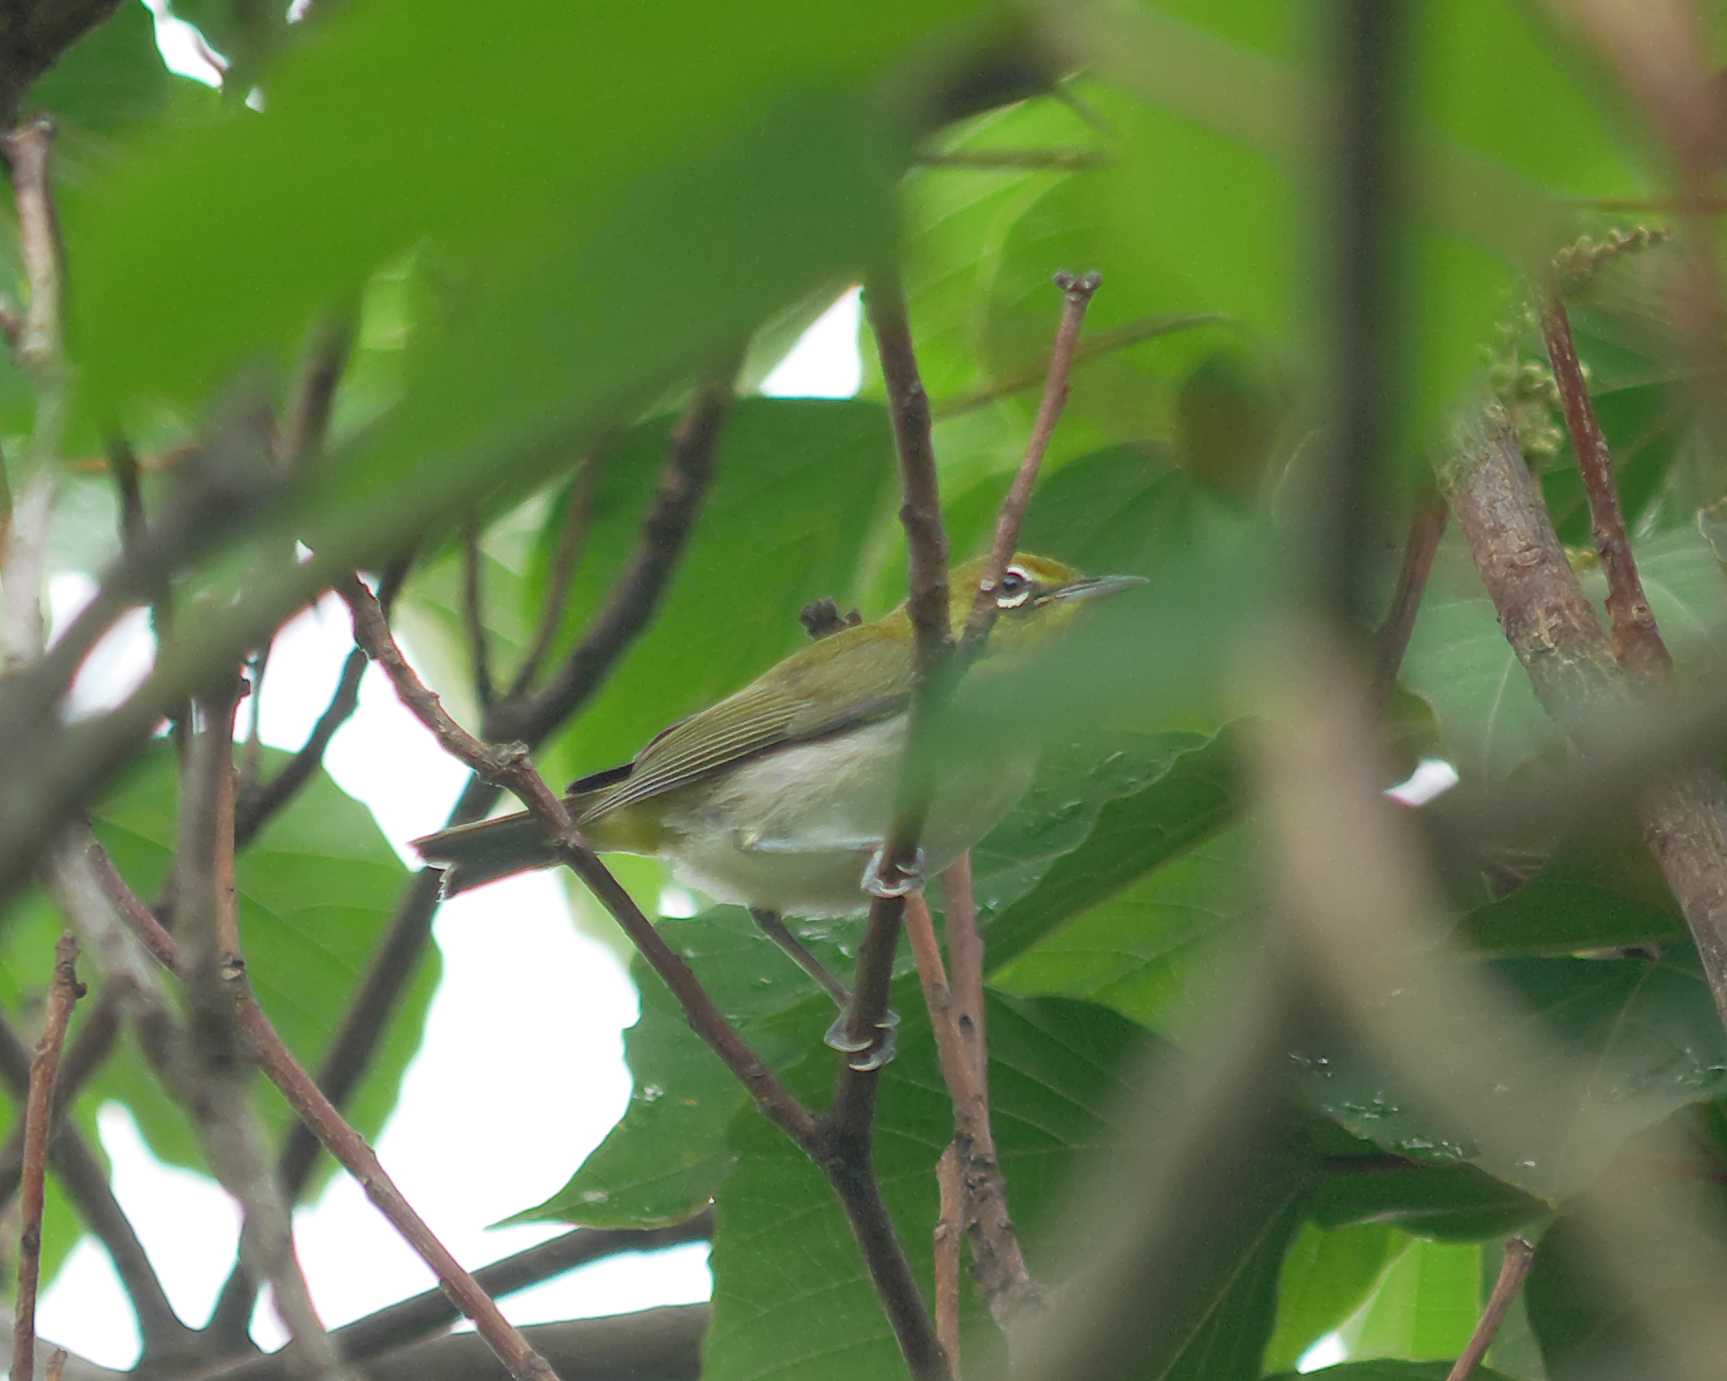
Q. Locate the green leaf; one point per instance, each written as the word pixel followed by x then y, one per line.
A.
pixel 1325 1276
pixel 1587 1325
pixel 316 892
pixel 1132 837
pixel 1584 899
pixel 1425 1307
pixel 1448 1202
pixel 670 1152
pixel 731 610
pixel 109 82
pixel 790 1294
pixel 1634 1039
pixel 1460 663
pixel 1391 1371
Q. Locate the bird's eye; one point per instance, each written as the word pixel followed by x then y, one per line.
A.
pixel 1014 589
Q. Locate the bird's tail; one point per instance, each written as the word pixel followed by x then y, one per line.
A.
pixel 473 855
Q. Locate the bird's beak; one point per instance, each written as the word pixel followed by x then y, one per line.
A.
pixel 1098 587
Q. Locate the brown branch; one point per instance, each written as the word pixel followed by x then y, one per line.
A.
pixel 474 613
pixel 684 484
pixel 63 992
pixel 1076 293
pixel 1636 640
pixel 1554 632
pixel 213 1083
pixel 965 955
pixel 1426 527
pixel 266 1048
pixel 1102 343
pixel 512 768
pixel 578 513
pixel 426 1314
pixel 28 150
pixel 88 1052
pixel 949 1237
pixel 57 1360
pixel 997 1259
pixel 255 808
pixel 1519 1257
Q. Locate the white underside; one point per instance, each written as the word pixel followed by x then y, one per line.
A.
pixel 808 841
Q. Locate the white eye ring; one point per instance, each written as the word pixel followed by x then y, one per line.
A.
pixel 1015 588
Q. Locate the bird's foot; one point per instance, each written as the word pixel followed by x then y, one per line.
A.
pixel 872 1051
pixel 884 878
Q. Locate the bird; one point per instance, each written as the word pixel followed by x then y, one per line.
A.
pixel 778 798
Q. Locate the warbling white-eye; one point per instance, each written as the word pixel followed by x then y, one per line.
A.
pixel 779 797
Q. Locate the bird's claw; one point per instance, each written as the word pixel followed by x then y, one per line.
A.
pixel 884 879
pixel 880 1044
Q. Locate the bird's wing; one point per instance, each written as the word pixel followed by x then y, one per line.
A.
pixel 831 686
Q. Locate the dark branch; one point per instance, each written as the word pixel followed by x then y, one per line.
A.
pixel 578 511
pixel 1426 527
pixel 474 613
pixel 1636 640
pixel 426 1314
pixel 63 992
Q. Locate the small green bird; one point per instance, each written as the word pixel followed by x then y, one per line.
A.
pixel 779 797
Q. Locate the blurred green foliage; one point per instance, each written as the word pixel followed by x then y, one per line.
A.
pixel 546 221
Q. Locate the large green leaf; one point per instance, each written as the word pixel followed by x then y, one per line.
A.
pixel 1426 1305
pixel 1325 1276
pixel 790 1294
pixel 1460 663
pixel 316 891
pixel 1631 1039
pixel 1585 898
pixel 1449 1202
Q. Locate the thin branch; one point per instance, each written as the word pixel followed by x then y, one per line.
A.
pixel 28 150
pixel 85 1056
pixel 636 595
pixel 474 613
pixel 1426 527
pixel 258 806
pixel 512 768
pixel 965 955
pixel 1636 640
pixel 949 1238
pixel 273 1057
pixel 426 1314
pixel 1519 1257
pixel 1077 291
pixel 997 1257
pixel 216 1089
pixel 578 513
pixel 1102 343
pixel 63 992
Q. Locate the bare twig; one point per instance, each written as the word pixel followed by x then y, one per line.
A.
pixel 28 150
pixel 965 955
pixel 87 1053
pixel 1636 640
pixel 273 1057
pixel 996 1255
pixel 578 512
pixel 63 992
pixel 57 1360
pixel 1519 1257
pixel 1102 343
pixel 512 768
pixel 1076 293
pixel 426 1314
pixel 255 808
pixel 949 1238
pixel 474 613
pixel 216 1087
pixel 1426 527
